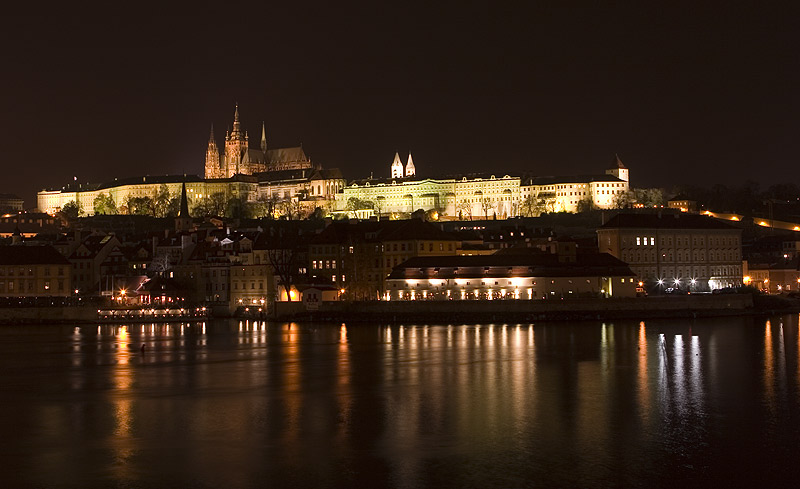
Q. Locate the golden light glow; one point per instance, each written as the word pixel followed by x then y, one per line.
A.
pixel 747 279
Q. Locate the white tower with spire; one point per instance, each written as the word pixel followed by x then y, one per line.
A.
pixel 619 170
pixel 397 167
pixel 410 170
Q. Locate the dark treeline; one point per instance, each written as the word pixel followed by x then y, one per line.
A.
pixel 748 198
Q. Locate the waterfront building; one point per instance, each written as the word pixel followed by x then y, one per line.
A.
pixel 34 271
pixel 97 261
pixel 521 276
pixel 357 256
pixel 675 250
pixel 774 276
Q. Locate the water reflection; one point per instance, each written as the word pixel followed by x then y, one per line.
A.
pixel 661 403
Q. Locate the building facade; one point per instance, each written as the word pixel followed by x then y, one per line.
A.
pixel 481 196
pixel 34 271
pixel 675 250
pixel 244 187
pixel 528 276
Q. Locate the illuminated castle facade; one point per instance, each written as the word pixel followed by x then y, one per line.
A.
pixel 240 158
pixel 480 196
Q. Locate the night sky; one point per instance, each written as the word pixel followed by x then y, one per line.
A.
pixel 704 96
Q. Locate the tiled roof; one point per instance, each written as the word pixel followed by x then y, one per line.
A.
pixel 551 180
pixel 285 155
pixel 531 264
pixel 665 221
pixel 379 231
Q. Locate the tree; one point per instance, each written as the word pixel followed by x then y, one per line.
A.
pixel 379 205
pixel 283 253
pixel 71 211
pixel 356 204
pixel 529 207
pixel 174 207
pixel 486 206
pixel 141 206
pixel 104 204
pixel 623 200
pixel 465 209
pixel 290 209
pixel 648 197
pixel 160 201
pixel 586 204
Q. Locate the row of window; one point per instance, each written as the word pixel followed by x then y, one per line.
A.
pixel 29 285
pixel 682 241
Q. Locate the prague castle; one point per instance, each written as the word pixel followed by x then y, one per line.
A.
pixel 481 196
pixel 287 175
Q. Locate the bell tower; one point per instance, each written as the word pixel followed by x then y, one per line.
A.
pixel 619 170
pixel 397 167
pixel 213 170
pixel 235 148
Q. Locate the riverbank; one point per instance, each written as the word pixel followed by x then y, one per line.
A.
pixel 689 306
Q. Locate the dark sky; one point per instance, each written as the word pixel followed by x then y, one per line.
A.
pixel 705 95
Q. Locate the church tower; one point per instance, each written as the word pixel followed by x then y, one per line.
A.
pixel 397 167
pixel 410 170
pixel 263 138
pixel 184 221
pixel 213 170
pixel 236 146
pixel 619 170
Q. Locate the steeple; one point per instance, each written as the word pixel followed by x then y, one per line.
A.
pixel 184 202
pixel 410 170
pixel 397 167
pixel 213 169
pixel 263 138
pixel 184 221
pixel 236 146
pixel 236 123
pixel 619 170
pixel 619 161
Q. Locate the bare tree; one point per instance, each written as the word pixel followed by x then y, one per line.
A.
pixel 486 206
pixel 465 209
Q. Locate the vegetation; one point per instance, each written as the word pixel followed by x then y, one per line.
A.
pixel 104 204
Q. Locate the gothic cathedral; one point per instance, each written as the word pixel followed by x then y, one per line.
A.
pixel 240 158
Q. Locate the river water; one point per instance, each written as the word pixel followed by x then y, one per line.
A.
pixel 688 403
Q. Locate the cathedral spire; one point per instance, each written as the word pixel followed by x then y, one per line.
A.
pixel 397 167
pixel 410 170
pixel 263 137
pixel 619 161
pixel 211 137
pixel 237 126
pixel 184 202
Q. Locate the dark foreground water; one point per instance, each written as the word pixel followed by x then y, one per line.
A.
pixel 230 404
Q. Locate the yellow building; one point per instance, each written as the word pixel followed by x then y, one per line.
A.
pixel 480 196
pixel 84 194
